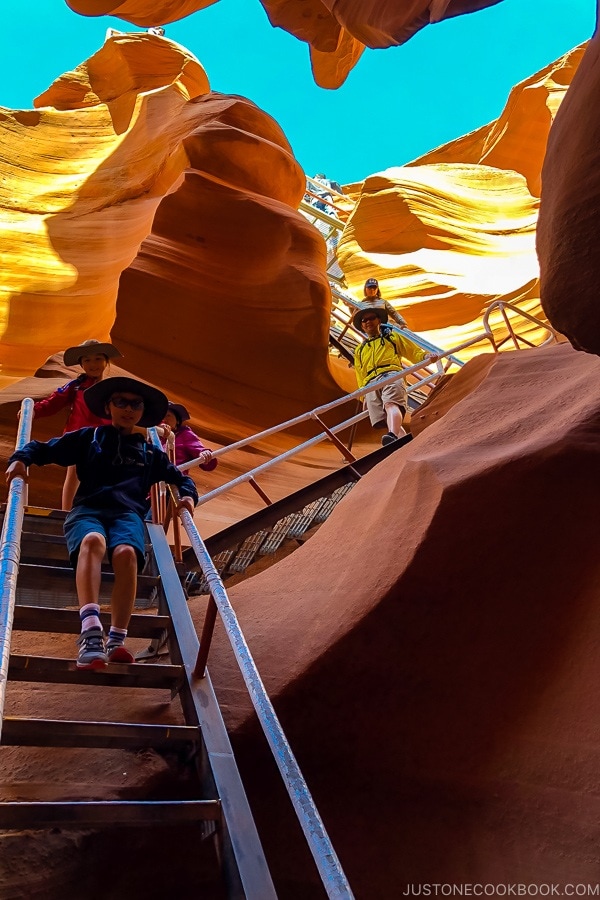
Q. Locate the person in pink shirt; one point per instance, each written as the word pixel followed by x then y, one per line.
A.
pixel 93 357
pixel 188 445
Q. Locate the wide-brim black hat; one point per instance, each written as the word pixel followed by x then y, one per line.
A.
pixel 179 411
pixel 72 355
pixel 379 310
pixel 155 402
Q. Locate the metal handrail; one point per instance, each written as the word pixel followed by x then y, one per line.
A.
pixel 307 416
pixel 332 875
pixel 10 552
pixel 249 476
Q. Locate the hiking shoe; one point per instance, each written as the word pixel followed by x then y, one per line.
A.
pixel 388 438
pixel 117 652
pixel 92 654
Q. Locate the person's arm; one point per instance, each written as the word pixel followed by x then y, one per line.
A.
pixel 61 397
pixel 63 451
pixel 395 315
pixel 163 470
pixel 411 351
pixel 194 449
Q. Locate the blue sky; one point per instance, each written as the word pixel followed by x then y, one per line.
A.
pixel 395 105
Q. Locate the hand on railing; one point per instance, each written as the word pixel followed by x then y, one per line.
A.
pixel 185 503
pixel 17 469
pixel 164 431
pixel 205 457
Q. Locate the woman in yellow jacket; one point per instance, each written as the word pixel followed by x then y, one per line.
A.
pixel 378 356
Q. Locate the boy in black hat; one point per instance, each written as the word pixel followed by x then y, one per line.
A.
pixel 116 468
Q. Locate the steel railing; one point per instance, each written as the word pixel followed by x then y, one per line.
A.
pixel 331 873
pixel 317 413
pixel 10 552
pixel 326 860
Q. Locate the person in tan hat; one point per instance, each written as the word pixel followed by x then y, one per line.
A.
pixel 94 358
pixel 378 356
pixel 116 469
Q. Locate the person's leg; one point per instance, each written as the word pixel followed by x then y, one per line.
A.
pixel 125 566
pixel 126 553
pixel 395 417
pixel 69 487
pixel 88 572
pixel 86 542
pixel 92 654
pixel 395 401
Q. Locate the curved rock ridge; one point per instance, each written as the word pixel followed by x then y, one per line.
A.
pixel 568 228
pixel 96 174
pixel 337 31
pixel 436 649
pixel 144 13
pixel 197 193
pixel 454 230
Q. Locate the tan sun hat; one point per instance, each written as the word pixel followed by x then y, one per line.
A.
pixel 72 355
pixel 378 308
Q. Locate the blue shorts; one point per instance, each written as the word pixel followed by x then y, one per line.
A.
pixel 117 526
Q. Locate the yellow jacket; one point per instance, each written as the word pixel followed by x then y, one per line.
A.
pixel 383 354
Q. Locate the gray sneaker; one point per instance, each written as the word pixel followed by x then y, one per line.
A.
pixel 92 654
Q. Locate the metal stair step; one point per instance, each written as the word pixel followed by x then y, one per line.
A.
pixel 55 586
pixel 64 671
pixel 21 732
pixel 66 621
pixel 110 813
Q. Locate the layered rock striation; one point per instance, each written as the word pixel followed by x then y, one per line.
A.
pixel 455 230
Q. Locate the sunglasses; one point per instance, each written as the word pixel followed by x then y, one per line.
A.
pixel 122 403
pixel 369 319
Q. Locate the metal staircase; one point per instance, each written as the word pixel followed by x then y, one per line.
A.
pixel 44 588
pixel 236 548
pixel 35 596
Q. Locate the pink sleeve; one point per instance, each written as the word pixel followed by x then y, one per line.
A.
pixel 189 446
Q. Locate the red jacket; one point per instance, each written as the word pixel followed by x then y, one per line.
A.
pixel 71 394
pixel 189 446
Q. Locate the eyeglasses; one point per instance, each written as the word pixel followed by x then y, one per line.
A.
pixel 369 319
pixel 123 403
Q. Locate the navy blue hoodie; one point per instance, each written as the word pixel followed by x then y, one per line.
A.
pixel 115 471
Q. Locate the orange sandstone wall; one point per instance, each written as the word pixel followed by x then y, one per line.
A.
pixel 337 33
pixel 455 229
pixel 433 652
pixel 568 227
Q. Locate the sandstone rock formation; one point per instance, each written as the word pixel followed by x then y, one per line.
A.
pixel 199 193
pixel 337 33
pixel 567 232
pixel 455 230
pixel 451 639
pixel 432 656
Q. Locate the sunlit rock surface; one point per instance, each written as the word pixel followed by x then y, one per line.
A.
pixel 455 230
pixel 452 641
pixel 431 649
pixel 197 194
pixel 100 152
pixel 570 211
pixel 336 32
